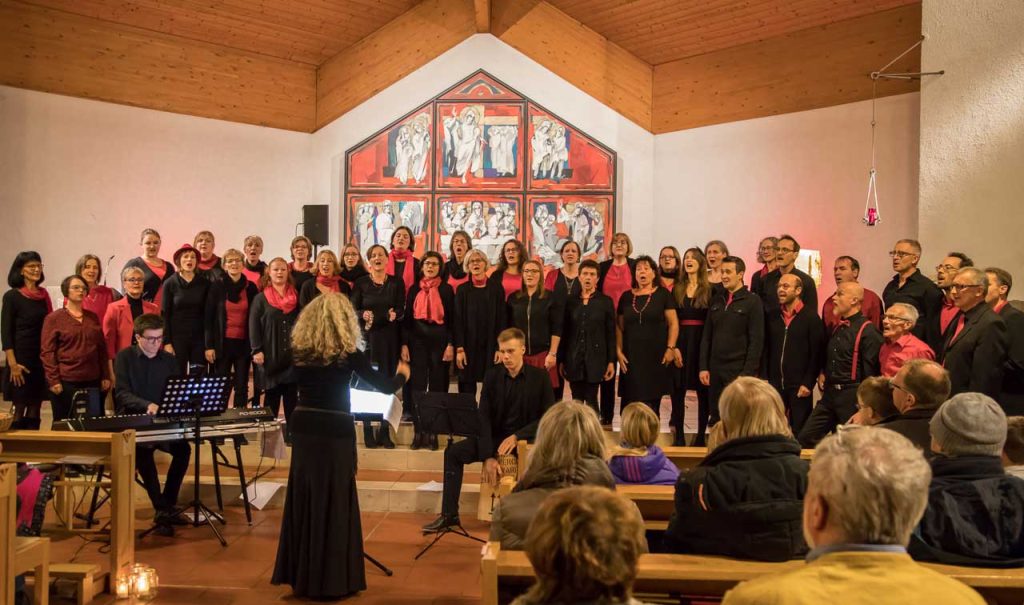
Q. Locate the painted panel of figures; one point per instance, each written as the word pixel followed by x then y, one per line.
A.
pixel 562 158
pixel 480 146
pixel 490 220
pixel 480 86
pixel 554 220
pixel 372 219
pixel 397 158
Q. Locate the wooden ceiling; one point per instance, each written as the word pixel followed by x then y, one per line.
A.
pixel 299 64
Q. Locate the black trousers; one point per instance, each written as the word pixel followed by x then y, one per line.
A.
pixel 467 386
pixel 703 413
pixel 62 403
pixel 608 398
pixel 587 393
pixel 288 394
pixel 188 350
pixel 180 452
pixel 719 380
pixel 235 359
pixel 797 408
pixel 835 408
pixel 456 457
pixel 428 372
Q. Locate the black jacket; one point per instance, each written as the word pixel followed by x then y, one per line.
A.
pixel 794 355
pixel 185 307
pixel 914 425
pixel 975 515
pixel 447 303
pixel 218 295
pixel 1011 395
pixel 589 337
pixel 512 406
pixel 733 337
pixel 744 500
pixel 769 290
pixel 270 333
pixel 603 271
pixel 152 284
pixel 538 318
pixel 922 294
pixel 479 317
pixel 976 356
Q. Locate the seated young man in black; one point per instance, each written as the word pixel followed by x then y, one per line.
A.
pixel 513 399
pixel 141 371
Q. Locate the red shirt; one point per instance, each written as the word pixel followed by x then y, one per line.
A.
pixel 617 281
pixel 870 307
pixel 511 283
pixel 72 350
pixel 787 318
pixel 946 315
pixel 237 323
pixel 893 355
pixel 97 300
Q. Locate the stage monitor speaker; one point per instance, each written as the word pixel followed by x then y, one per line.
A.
pixel 314 223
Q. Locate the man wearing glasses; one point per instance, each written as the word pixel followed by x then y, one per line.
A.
pixel 975 344
pixel 141 372
pixel 767 254
pixel 944 274
pixel 910 286
pixel 900 344
pixel 788 251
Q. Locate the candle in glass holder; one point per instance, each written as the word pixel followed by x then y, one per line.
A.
pixel 123 587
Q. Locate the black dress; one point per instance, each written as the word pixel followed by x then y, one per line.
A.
pixel 320 552
pixel 22 330
pixel 152 284
pixel 187 316
pixel 644 339
pixel 383 338
pixel 479 317
pixel 687 378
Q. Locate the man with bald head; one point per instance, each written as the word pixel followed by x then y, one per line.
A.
pixel 847 268
pixel 794 347
pixel 975 344
pixel 850 356
pixel 918 389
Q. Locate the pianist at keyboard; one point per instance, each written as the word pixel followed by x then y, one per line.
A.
pixel 141 372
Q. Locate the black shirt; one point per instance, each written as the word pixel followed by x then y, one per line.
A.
pixel 921 293
pixel 538 318
pixel 140 380
pixel 21 326
pixel 842 345
pixel 512 405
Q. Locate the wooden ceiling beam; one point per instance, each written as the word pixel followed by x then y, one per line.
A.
pixel 55 51
pixel 808 69
pixel 578 55
pixel 482 8
pixel 391 53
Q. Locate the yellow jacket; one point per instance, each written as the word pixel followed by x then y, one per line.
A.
pixel 855 578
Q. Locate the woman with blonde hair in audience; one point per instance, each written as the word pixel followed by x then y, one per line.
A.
pixel 569 450
pixel 303 269
pixel 327 279
pixel 745 499
pixel 638 459
pixel 100 296
pixel 155 270
pixel 593 559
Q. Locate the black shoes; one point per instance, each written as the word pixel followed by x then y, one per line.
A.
pixel 441 523
pixel 431 442
pixel 384 436
pixel 369 439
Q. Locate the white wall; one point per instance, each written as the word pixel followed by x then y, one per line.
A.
pixel 972 132
pixel 803 173
pixel 82 176
pixel 634 145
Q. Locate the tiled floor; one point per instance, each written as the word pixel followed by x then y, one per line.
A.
pixel 194 569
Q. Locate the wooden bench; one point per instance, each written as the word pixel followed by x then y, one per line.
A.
pixel 656 503
pixel 688 457
pixel 87 578
pixel 19 555
pixel 714 576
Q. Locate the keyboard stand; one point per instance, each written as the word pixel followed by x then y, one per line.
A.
pixel 219 458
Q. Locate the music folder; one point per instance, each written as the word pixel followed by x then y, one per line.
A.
pixel 374 403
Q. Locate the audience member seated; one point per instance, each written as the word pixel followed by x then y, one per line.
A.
pixel 975 513
pixel 744 499
pixel 1013 450
pixel 874 402
pixel 638 459
pixel 919 388
pixel 868 488
pixel 569 451
pixel 591 560
pixel 141 372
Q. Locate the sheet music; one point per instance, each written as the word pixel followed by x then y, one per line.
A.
pixel 372 402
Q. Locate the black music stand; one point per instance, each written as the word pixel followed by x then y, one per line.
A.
pixel 367 403
pixel 189 398
pixel 454 414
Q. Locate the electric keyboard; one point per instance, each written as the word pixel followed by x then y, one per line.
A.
pixel 234 421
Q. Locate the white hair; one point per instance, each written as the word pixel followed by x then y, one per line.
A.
pixel 875 483
pixel 976 275
pixel 469 256
pixel 908 311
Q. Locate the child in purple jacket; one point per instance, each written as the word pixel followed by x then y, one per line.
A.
pixel 637 460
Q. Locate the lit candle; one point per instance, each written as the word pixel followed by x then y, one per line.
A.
pixel 122 587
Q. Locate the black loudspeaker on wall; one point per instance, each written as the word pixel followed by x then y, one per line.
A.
pixel 314 223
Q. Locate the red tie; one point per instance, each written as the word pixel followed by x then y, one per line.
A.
pixel 959 326
pixel 728 301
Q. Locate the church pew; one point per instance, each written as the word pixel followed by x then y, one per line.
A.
pixel 685 457
pixel 712 576
pixel 656 503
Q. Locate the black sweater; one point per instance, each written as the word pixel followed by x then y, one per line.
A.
pixel 186 309
pixel 21 327
pixel 447 303
pixel 794 355
pixel 589 337
pixel 539 318
pixel 270 333
pixel 733 336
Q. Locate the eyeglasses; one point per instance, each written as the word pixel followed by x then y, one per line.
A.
pixel 896 385
pixel 945 268
pixel 785 250
pixel 900 254
pixel 531 271
pixel 152 339
pixel 134 280
pixel 667 257
pixel 77 287
pixel 896 318
pixel 232 261
pixel 963 286
pixel 431 263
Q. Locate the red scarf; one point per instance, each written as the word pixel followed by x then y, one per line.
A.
pixel 329 282
pixel 999 306
pixel 479 282
pixel 39 294
pixel 408 275
pixel 287 303
pixel 427 305
pixel 210 263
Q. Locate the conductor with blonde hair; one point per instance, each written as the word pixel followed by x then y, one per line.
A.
pixel 745 499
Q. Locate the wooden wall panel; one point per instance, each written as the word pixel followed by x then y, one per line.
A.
pixel 812 68
pixel 54 51
pixel 577 54
pixel 391 53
